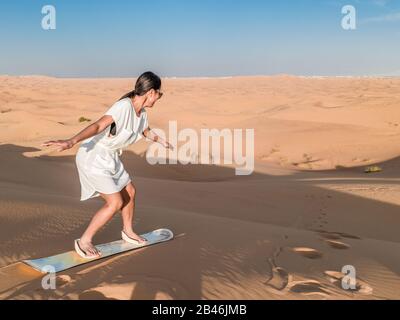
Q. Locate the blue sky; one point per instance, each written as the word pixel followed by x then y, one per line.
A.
pixel 123 38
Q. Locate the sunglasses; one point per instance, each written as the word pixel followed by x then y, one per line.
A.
pixel 160 94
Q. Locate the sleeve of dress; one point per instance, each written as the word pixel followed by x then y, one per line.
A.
pixel 145 125
pixel 146 122
pixel 118 112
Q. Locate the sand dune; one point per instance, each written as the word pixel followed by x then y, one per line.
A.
pixel 284 232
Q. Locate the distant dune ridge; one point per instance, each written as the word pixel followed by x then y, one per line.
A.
pixel 285 232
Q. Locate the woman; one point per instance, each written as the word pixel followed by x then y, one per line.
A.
pixel 100 169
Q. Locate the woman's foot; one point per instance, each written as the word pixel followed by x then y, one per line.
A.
pixel 86 249
pixel 132 237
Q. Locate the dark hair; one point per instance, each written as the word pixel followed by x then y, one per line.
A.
pixel 144 83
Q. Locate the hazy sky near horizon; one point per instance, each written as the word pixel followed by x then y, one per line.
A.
pixel 123 38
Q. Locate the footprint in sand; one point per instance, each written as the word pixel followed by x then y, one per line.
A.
pixel 93 295
pixel 63 280
pixel 310 163
pixel 283 161
pixel 279 279
pixel 275 150
pixel 349 236
pixel 393 124
pixel 337 235
pixel 336 277
pixel 323 224
pixel 320 223
pixel 308 253
pixel 330 235
pixel 337 244
pixel 308 287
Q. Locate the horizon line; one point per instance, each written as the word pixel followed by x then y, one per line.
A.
pixel 204 77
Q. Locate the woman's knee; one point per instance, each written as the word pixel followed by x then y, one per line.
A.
pixel 129 194
pixel 117 205
pixel 115 202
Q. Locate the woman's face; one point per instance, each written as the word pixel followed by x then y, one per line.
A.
pixel 152 97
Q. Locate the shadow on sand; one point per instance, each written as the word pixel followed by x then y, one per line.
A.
pixel 177 187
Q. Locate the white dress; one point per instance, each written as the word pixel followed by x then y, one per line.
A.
pixel 98 159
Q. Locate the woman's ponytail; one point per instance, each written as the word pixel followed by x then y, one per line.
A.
pixel 145 82
pixel 128 95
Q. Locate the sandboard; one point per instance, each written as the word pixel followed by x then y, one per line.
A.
pixel 71 259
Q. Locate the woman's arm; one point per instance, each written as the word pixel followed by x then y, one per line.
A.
pixel 86 133
pixel 149 134
pixel 90 131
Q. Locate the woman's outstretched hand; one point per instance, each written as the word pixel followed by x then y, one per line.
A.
pixel 62 144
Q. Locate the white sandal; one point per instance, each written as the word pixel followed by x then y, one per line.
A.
pixel 83 253
pixel 130 240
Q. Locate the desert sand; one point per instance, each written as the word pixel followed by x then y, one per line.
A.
pixel 285 232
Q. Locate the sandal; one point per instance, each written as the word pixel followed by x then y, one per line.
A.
pixel 83 253
pixel 130 240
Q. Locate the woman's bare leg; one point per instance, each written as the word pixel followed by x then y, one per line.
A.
pixel 128 212
pixel 114 203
